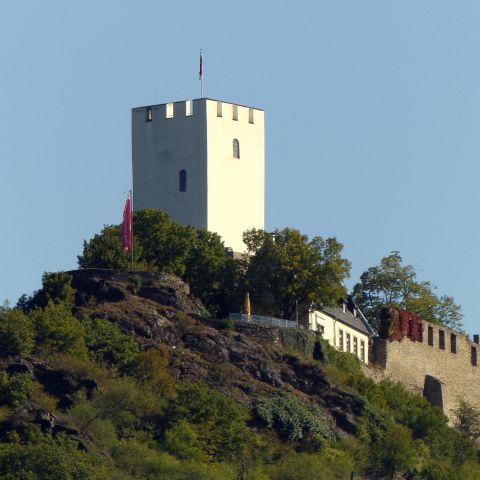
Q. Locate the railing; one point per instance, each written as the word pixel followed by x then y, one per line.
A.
pixel 278 322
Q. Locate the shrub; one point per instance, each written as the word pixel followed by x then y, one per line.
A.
pixel 150 369
pixel 298 339
pixel 181 440
pixel 219 421
pixel 292 418
pixel 58 330
pixel 15 390
pixel 17 333
pixel 107 343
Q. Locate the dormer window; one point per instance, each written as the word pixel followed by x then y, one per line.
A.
pixel 236 148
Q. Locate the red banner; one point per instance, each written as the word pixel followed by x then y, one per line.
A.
pixel 127 238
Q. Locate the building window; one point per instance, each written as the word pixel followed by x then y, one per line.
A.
pixel 250 115
pixel 441 339
pixel 453 343
pixel 188 108
pixel 235 112
pixel 430 336
pixel 169 110
pixel 355 346
pixel 474 356
pixel 219 109
pixel 182 180
pixel 349 349
pixel 362 351
pixel 321 329
pixel 149 115
pixel 340 339
pixel 236 148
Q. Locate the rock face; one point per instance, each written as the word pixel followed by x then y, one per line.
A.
pixel 243 363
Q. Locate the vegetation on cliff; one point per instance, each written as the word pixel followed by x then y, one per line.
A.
pixel 112 375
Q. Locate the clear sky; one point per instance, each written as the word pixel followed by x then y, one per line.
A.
pixel 372 120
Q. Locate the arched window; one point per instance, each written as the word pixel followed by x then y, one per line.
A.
pixel 182 180
pixel 236 148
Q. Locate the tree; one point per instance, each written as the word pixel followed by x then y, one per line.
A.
pixel 17 333
pixel 58 331
pixel 195 255
pixel 286 269
pixel 467 419
pixel 392 283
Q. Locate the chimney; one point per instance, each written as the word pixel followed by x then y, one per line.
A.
pixel 476 338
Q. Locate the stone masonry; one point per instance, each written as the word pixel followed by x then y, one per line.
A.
pixel 441 365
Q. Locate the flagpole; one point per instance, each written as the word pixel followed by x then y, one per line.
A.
pixel 131 216
pixel 200 73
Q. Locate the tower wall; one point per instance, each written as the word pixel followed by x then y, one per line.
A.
pixel 223 194
pixel 236 186
pixel 161 148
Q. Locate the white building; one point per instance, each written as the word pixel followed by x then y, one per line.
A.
pixel 203 163
pixel 344 327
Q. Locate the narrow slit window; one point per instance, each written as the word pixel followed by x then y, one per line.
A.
pixel 453 343
pixel 430 336
pixel 355 346
pixel 188 108
pixel 250 115
pixel 474 356
pixel 149 115
pixel 362 351
pixel 441 340
pixel 182 180
pixel 219 109
pixel 235 112
pixel 236 148
pixel 349 343
pixel 340 339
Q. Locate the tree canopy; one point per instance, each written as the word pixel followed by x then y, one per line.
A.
pixel 286 267
pixel 392 283
pixel 196 255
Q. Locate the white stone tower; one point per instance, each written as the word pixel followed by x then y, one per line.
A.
pixel 203 163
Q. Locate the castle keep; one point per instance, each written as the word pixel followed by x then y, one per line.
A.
pixel 203 163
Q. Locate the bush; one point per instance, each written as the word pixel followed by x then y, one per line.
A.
pixel 298 339
pixel 17 333
pixel 15 390
pixel 108 344
pixel 58 330
pixel 292 419
pixel 219 421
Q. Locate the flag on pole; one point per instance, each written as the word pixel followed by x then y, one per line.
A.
pixel 127 238
pixel 200 72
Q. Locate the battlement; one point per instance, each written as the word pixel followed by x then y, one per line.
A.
pixel 429 359
pixel 188 108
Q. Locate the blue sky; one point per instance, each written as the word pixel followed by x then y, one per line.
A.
pixel 372 117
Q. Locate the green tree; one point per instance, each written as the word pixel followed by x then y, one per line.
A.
pixel 108 344
pixel 17 333
pixel 467 419
pixel 391 283
pixel 286 267
pixel 196 255
pixel 58 331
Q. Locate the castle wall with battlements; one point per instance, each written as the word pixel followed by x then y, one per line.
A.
pixel 442 365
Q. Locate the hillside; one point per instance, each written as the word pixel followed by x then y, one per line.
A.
pixel 123 377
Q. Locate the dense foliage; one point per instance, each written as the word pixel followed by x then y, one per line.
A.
pixel 391 283
pixel 287 272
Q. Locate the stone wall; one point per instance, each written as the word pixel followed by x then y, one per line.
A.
pixel 443 371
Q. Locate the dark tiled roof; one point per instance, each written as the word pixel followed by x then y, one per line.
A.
pixel 348 318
